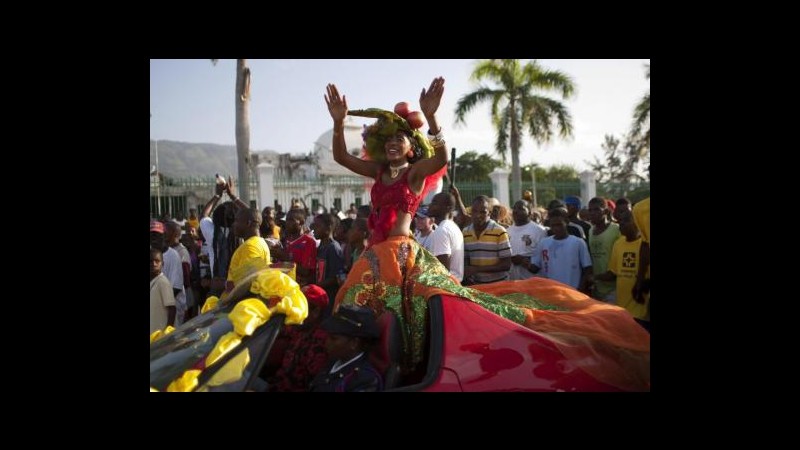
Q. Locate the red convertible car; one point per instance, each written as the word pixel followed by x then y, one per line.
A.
pixel 470 349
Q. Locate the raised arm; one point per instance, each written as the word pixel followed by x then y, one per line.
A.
pixel 218 190
pixel 429 102
pixel 236 200
pixel 337 106
pixel 462 219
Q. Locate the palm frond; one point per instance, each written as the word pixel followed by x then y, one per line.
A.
pixel 496 101
pixel 549 80
pixel 468 101
pixel 501 145
pixel 562 115
pixel 486 69
pixel 540 113
pixel 539 125
pixel 641 115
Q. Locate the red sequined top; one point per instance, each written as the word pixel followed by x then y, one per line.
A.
pixel 397 194
pixel 386 201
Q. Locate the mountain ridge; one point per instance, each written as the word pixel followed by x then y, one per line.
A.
pixel 189 159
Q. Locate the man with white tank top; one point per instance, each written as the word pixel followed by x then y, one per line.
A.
pixel 446 241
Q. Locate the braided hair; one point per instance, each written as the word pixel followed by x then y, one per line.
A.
pixel 224 243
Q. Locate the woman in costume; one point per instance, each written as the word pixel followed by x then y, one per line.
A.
pixel 398 274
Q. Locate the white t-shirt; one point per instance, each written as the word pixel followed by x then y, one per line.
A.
pixel 207 227
pixel 447 239
pixel 173 270
pixel 425 241
pixel 523 240
pixel 562 260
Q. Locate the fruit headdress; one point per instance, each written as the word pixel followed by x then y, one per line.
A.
pixel 388 124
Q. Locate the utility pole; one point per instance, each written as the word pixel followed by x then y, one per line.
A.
pixel 532 168
pixel 158 184
pixel 158 181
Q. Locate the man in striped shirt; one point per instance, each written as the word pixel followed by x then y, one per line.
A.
pixel 487 251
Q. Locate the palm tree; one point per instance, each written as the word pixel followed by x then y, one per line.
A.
pixel 516 108
pixel 641 119
pixel 242 127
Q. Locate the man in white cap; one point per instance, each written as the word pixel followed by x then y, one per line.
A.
pixel 425 227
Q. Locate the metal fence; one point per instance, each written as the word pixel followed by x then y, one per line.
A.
pixel 197 183
pixel 175 195
pixel 319 183
pixel 180 194
pixel 633 191
pixel 326 191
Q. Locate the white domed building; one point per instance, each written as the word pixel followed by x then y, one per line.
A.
pixel 315 178
pixel 324 152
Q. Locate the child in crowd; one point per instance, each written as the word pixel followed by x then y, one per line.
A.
pixel 162 300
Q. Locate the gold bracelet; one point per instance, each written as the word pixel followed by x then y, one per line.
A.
pixel 437 142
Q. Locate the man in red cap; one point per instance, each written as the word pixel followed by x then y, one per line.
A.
pixel 305 353
pixel 156 226
pixel 611 205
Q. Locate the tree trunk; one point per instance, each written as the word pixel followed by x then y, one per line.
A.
pixel 516 175
pixel 243 128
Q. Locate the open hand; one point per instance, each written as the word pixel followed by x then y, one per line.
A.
pixel 337 105
pixel 229 186
pixel 220 189
pixel 429 100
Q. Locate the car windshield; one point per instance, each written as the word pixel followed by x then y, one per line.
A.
pixel 186 347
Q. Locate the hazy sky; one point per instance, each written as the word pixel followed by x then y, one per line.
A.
pixel 193 101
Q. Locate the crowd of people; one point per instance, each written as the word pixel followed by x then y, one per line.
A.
pixel 350 263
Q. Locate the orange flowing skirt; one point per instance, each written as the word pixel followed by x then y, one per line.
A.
pixel 604 340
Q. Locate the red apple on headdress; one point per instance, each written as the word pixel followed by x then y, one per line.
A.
pixel 402 109
pixel 415 119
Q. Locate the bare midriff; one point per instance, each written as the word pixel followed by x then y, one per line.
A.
pixel 403 225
